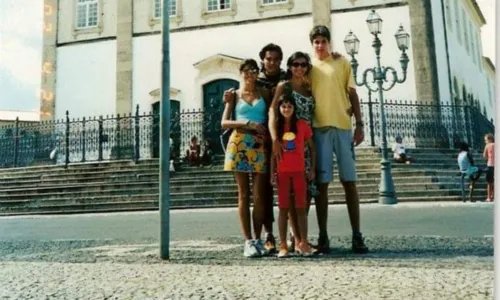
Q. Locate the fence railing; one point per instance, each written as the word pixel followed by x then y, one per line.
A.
pixel 136 136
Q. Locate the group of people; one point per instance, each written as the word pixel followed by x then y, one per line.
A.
pixel 472 173
pixel 195 156
pixel 286 127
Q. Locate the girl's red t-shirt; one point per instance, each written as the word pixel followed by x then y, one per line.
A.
pixel 293 159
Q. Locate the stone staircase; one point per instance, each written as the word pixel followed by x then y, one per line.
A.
pixel 127 186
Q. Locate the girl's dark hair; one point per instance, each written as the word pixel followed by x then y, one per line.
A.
pixel 281 120
pixel 249 64
pixel 465 147
pixel 294 57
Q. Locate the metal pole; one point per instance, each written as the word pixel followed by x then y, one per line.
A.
pixel 164 140
pixel 387 194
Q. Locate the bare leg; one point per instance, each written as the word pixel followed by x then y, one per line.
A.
pixel 322 209
pixel 492 191
pixel 472 186
pixel 294 226
pixel 269 207
pixel 259 208
pixel 302 222
pixel 283 224
pixel 352 200
pixel 242 179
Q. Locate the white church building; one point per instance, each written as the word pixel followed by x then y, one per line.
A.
pixel 104 56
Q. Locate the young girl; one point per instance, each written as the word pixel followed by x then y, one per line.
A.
pixel 290 173
pixel 489 156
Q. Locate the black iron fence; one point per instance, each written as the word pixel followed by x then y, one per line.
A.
pixel 136 136
pixel 426 125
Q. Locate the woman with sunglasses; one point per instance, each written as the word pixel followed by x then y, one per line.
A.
pixel 298 87
pixel 246 153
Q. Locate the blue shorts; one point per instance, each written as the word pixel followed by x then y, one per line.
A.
pixel 330 141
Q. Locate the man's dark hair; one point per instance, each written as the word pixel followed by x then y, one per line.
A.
pixel 270 47
pixel 319 30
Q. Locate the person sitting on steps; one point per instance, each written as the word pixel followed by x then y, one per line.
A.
pixel 206 157
pixel 193 153
pixel 400 152
pixel 467 168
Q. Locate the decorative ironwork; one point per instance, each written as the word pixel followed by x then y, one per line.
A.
pixel 425 125
pixel 136 136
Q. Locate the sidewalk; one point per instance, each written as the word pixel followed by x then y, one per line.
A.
pixel 298 281
pixel 421 268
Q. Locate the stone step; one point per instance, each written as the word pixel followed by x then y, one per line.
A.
pixel 407 191
pixel 152 165
pixel 361 154
pixel 401 187
pixel 208 178
pixel 196 171
pixel 151 203
pixel 113 177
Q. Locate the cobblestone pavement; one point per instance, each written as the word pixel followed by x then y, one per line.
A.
pixel 402 267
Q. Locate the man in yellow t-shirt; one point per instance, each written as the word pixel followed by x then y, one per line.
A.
pixel 334 90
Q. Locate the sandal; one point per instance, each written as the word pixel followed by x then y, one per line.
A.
pixel 283 251
pixel 305 249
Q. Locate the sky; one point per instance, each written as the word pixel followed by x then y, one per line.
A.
pixel 21 41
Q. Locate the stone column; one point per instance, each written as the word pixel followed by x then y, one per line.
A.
pixel 426 77
pixel 124 141
pixel 424 56
pixel 49 59
pixel 124 56
pixel 321 12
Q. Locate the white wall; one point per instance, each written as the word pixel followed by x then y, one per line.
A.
pixel 443 67
pixel 473 75
pixel 86 79
pixel 189 47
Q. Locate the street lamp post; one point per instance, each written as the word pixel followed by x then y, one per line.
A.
pixel 387 194
pixel 164 196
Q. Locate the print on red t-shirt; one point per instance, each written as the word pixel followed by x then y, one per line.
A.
pixel 292 159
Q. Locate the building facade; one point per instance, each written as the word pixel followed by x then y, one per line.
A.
pixel 103 57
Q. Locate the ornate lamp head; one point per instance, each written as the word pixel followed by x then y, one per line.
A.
pixel 402 38
pixel 351 43
pixel 374 23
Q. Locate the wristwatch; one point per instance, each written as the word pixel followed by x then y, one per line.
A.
pixel 360 124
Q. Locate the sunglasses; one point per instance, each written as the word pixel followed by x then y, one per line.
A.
pixel 303 65
pixel 250 71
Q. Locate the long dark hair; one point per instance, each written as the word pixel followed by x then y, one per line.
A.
pixel 281 120
pixel 465 147
pixel 294 57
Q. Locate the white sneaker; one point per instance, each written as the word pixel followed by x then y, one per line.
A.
pixel 250 250
pixel 260 246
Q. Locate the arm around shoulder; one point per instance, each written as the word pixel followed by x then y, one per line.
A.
pixel 273 109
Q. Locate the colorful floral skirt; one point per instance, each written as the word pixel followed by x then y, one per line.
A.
pixel 246 152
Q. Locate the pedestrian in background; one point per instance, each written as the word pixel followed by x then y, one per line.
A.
pixel 489 156
pixel 467 168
